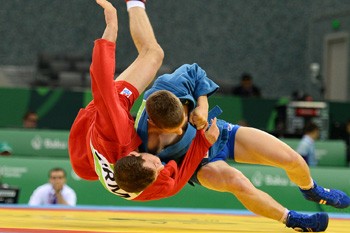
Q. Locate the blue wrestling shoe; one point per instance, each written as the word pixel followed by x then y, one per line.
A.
pixel 307 223
pixel 332 197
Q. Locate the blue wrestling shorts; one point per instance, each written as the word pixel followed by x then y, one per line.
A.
pixel 226 153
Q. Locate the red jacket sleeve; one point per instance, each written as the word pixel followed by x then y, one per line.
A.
pixel 113 122
pixel 173 177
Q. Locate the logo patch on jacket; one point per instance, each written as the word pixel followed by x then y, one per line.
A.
pixel 126 92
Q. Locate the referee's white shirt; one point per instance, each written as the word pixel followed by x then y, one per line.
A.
pixel 44 194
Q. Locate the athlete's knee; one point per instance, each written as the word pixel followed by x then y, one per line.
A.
pixel 294 160
pixel 154 53
pixel 158 52
pixel 226 179
pixel 205 173
pixel 237 182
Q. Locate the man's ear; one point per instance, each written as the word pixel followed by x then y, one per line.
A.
pixel 151 122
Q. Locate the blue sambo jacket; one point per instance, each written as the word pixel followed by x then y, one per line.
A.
pixel 188 82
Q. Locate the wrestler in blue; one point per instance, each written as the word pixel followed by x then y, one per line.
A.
pixel 190 84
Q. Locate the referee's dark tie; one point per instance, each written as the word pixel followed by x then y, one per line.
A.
pixel 54 199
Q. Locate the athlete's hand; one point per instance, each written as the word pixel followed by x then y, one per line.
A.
pixel 198 117
pixel 111 19
pixel 213 132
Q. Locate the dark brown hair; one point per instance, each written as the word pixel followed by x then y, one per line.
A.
pixel 57 169
pixel 131 175
pixel 310 127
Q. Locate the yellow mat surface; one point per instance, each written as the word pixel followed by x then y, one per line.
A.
pixel 57 220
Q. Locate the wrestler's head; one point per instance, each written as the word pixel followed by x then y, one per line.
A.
pixel 166 112
pixel 135 172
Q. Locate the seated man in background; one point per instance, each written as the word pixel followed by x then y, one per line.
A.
pixel 30 120
pixel 54 192
pixel 161 135
pixel 246 88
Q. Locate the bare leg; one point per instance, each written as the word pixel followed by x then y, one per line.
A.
pixel 257 147
pixel 254 146
pixel 143 70
pixel 220 176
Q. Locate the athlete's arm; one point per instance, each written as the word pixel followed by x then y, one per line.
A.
pixel 111 18
pixel 199 115
pixel 186 168
pixel 112 119
pixel 173 177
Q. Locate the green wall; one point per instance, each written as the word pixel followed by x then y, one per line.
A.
pixel 55 112
pixel 41 143
pixel 28 173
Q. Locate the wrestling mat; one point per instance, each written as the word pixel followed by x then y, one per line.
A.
pixel 92 219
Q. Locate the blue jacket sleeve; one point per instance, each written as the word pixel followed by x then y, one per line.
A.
pixel 186 82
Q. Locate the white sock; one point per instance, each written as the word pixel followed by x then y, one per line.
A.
pixel 284 217
pixel 310 186
pixel 130 4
